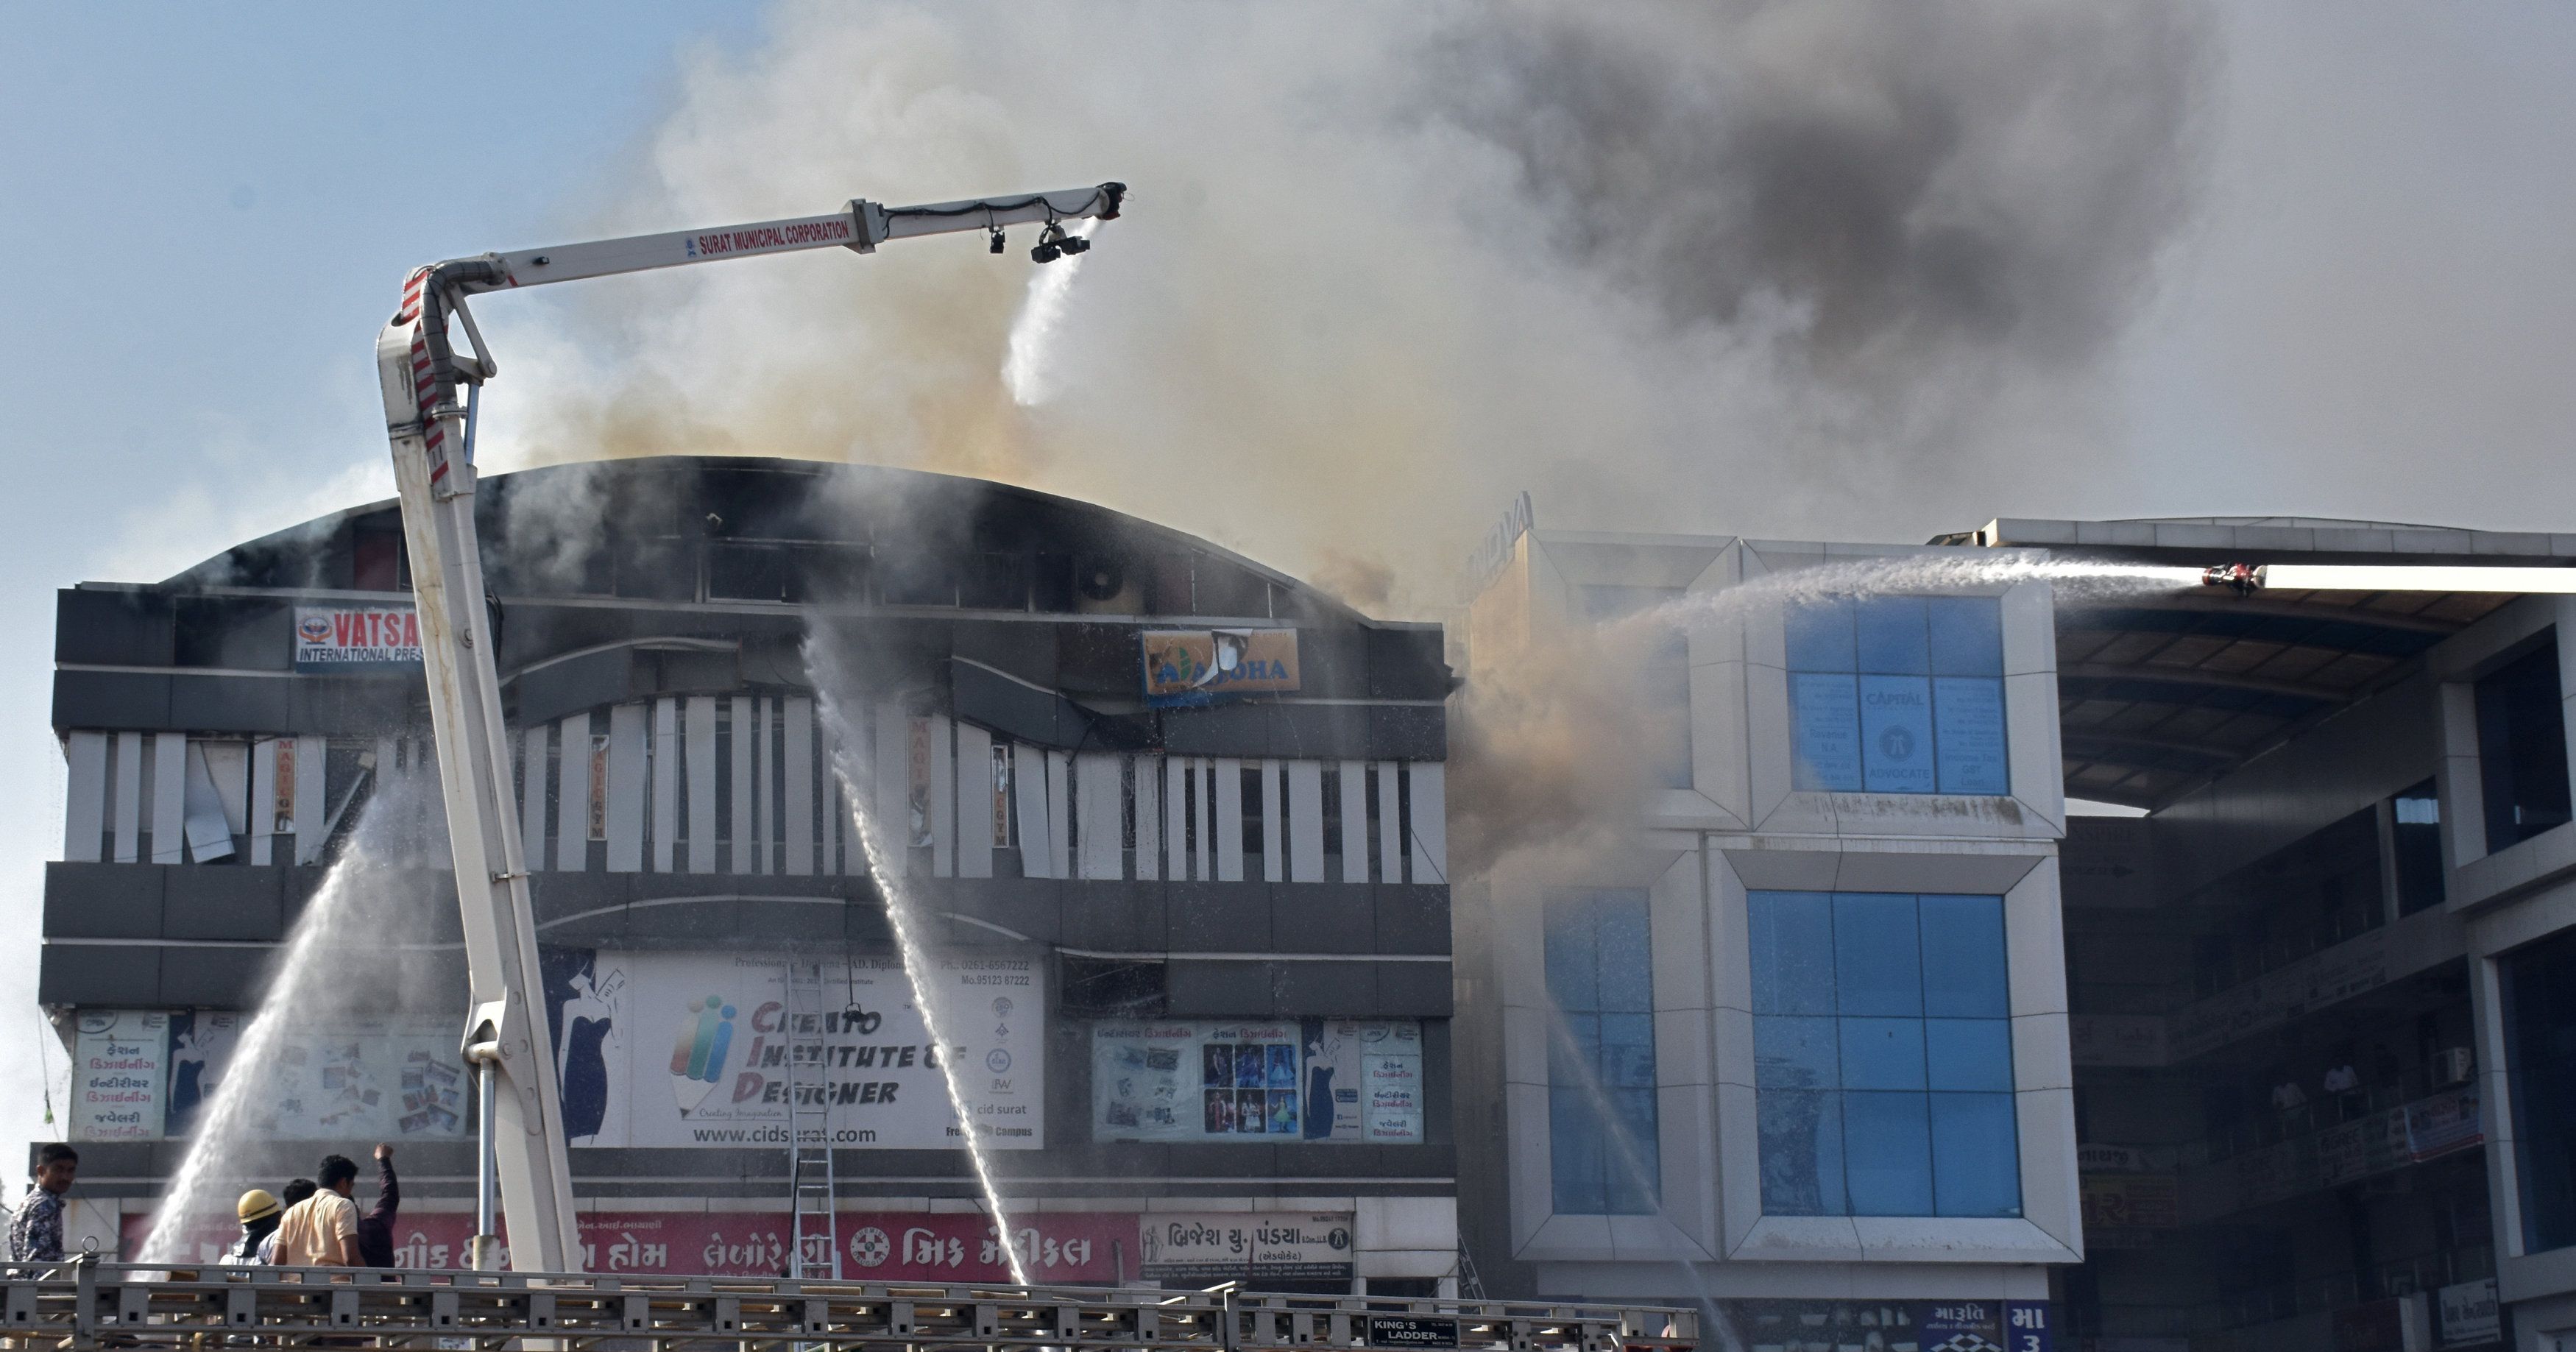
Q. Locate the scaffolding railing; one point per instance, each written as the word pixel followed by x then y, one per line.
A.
pixel 84 1304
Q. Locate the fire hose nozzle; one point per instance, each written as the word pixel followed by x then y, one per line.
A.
pixel 2244 579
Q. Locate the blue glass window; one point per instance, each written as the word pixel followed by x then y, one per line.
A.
pixel 1601 1055
pixel 1882 1044
pixel 1898 694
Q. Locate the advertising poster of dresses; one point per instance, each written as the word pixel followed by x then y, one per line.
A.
pixel 1337 1080
pixel 662 1049
pixel 149 1074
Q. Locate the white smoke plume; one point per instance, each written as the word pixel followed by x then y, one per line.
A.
pixel 1384 265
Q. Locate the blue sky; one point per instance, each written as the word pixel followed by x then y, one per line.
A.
pixel 210 209
pixel 213 208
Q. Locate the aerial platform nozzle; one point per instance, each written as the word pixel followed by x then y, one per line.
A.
pixel 2244 579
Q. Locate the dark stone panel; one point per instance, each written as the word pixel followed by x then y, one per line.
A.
pixel 215 978
pixel 1327 989
pixel 1414 989
pixel 1117 919
pixel 1412 918
pixel 1100 659
pixel 1320 731
pixel 112 628
pixel 1409 732
pixel 1407 663
pixel 1428 1160
pixel 111 699
pixel 1251 1157
pixel 432 979
pixel 1019 647
pixel 76 974
pixel 1437 1065
pixel 1200 989
pixel 223 902
pixel 1012 709
pixel 232 703
pixel 351 706
pixel 1322 917
pixel 763 923
pixel 562 688
pixel 1218 730
pixel 1332 663
pixel 1032 907
pixel 103 901
pixel 109 1159
pixel 1217 918
pixel 434 889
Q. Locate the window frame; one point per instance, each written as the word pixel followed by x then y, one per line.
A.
pixel 1567 1042
pixel 1915 1043
pixel 2049 1228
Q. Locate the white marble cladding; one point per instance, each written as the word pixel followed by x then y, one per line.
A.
pixel 748 785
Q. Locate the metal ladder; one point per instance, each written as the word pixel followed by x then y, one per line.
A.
pixel 815 1232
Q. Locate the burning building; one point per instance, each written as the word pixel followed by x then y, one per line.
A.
pixel 1173 823
pixel 1988 940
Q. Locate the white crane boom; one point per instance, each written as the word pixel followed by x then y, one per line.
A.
pixel 420 369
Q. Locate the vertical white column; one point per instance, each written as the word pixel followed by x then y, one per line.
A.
pixel 626 781
pixel 1355 846
pixel 1229 820
pixel 312 803
pixel 1149 818
pixel 169 797
pixel 1059 781
pixel 1430 842
pixel 1028 799
pixel 892 818
pixel 572 796
pixel 263 812
pixel 666 784
pixel 129 796
pixel 744 722
pixel 974 802
pixel 532 795
pixel 85 798
pixel 943 799
pixel 1104 836
pixel 1390 826
pixel 797 801
pixel 1274 834
pixel 1306 821
pixel 700 750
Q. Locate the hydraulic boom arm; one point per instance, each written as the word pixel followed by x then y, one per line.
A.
pixel 420 370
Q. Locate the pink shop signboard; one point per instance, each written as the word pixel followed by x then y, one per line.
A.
pixel 875 1245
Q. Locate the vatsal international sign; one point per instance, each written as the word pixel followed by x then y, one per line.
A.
pixel 356 638
pixel 1195 666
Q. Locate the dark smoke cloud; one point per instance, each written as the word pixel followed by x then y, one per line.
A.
pixel 1796 269
pixel 1917 183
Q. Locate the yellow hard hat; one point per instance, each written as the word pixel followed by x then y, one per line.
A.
pixel 257 1204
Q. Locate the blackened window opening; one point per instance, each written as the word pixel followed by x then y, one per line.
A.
pixel 1254 847
pixel 2415 830
pixel 1334 865
pixel 2522 746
